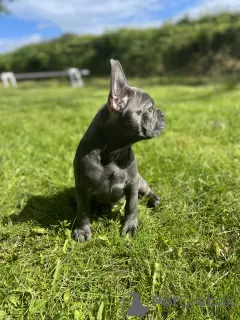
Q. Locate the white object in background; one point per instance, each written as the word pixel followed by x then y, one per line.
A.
pixel 75 77
pixel 8 78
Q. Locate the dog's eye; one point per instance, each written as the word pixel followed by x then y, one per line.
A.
pixel 150 109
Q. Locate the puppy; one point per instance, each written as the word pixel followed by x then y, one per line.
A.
pixel 105 167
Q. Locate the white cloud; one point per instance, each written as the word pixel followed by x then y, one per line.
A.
pixel 89 16
pixel 11 44
pixel 44 26
pixel 95 16
pixel 210 7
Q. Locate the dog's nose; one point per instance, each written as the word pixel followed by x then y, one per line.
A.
pixel 162 114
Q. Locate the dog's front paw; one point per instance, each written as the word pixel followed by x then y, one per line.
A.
pixel 82 234
pixel 130 227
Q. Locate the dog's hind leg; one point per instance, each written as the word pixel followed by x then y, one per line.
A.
pixel 145 190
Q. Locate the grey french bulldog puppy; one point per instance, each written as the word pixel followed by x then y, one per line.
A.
pixel 105 167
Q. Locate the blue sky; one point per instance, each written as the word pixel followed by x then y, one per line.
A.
pixel 32 21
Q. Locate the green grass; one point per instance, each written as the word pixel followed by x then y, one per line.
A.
pixel 188 247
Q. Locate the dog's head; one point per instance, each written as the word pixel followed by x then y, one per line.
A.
pixel 133 108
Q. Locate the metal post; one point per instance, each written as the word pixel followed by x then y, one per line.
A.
pixel 8 78
pixel 75 77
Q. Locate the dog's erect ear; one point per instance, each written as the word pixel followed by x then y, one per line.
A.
pixel 118 97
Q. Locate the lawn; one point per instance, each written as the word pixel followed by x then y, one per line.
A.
pixel 188 248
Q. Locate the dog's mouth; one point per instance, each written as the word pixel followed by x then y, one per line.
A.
pixel 160 124
pixel 159 128
pixel 156 127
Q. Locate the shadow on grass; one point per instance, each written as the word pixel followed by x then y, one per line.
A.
pixel 49 211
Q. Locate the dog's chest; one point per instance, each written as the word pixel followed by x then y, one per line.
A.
pixel 112 183
pixel 107 183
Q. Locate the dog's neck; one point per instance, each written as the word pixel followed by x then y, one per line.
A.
pixel 105 135
pixel 117 155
